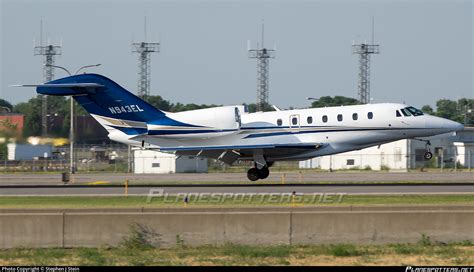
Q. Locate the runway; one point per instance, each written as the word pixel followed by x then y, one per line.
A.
pixel 275 177
pixel 68 190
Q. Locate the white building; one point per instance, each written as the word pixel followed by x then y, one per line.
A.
pixel 403 154
pixel 154 162
pixel 28 152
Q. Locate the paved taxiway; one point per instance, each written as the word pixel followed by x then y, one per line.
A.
pixel 305 189
pixel 336 177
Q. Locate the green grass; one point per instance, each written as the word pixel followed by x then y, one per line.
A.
pixel 160 202
pixel 256 251
pixel 460 253
pixel 343 250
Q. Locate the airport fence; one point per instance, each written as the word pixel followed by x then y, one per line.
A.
pixel 383 161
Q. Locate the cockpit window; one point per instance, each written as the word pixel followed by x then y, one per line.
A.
pixel 405 112
pixel 398 114
pixel 414 111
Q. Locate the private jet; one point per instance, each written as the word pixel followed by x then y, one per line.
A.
pixel 230 133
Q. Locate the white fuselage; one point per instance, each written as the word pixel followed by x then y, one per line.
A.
pixel 333 129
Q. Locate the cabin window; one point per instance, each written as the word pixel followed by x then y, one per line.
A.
pixel 325 118
pixel 398 114
pixel 279 122
pixel 370 115
pixel 350 162
pixel 294 121
pixel 354 116
pixel 309 120
pixel 155 165
pixel 339 117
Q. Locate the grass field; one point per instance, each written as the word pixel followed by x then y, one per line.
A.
pixel 421 253
pixel 161 202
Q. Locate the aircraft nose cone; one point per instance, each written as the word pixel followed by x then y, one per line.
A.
pixel 446 125
pixel 451 126
pixel 455 126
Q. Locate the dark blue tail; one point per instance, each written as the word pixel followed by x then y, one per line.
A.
pixel 103 97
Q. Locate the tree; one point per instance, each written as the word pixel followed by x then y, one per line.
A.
pixel 328 101
pixel 6 104
pixel 453 110
pixel 446 108
pixel 427 109
pixel 252 107
pixel 32 112
pixel 58 108
pixel 158 102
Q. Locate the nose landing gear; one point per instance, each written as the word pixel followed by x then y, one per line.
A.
pixel 428 155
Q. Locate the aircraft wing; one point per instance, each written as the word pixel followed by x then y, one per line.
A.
pixel 229 154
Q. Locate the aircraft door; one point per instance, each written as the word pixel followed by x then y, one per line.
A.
pixel 295 122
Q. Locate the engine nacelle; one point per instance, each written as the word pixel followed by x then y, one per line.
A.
pixel 202 123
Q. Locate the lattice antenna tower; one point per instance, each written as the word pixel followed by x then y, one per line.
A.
pixel 364 50
pixel 262 55
pixel 144 49
pixel 49 51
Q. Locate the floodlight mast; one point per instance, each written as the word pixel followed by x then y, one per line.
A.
pixel 49 51
pixel 144 50
pixel 364 50
pixel 262 55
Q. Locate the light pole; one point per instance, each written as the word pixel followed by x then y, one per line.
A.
pixel 71 129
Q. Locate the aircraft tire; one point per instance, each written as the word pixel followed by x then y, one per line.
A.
pixel 263 173
pixel 428 155
pixel 253 174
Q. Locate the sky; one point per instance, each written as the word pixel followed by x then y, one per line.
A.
pixel 426 47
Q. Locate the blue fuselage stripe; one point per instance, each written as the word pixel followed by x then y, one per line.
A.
pixel 194 131
pixel 279 133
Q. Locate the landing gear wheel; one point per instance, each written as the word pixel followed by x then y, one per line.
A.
pixel 428 155
pixel 252 174
pixel 263 173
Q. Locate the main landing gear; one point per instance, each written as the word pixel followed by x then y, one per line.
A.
pixel 255 174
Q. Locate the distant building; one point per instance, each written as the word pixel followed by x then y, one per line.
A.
pixel 403 155
pixel 154 162
pixel 12 121
pixel 28 152
pixel 88 130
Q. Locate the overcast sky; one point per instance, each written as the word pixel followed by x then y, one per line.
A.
pixel 426 47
